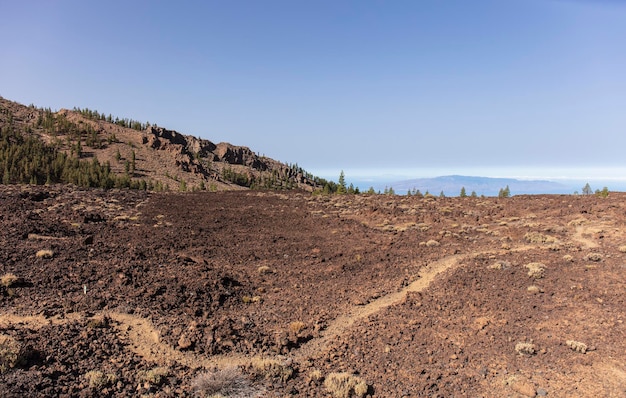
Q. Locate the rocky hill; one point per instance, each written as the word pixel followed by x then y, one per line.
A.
pixel 90 149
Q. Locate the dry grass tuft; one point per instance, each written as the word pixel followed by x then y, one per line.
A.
pixel 45 253
pixel 595 257
pixel 315 376
pixel 536 270
pixel 525 348
pixel 12 353
pixel 7 280
pixel 296 327
pixel 500 264
pixel 227 383
pixel 264 270
pixel 432 243
pixel 536 237
pixel 622 249
pixel 577 346
pixel 569 258
pixel 345 385
pixel 272 368
pixel 98 379
pixel 156 376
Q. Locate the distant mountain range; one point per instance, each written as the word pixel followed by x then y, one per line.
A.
pixel 452 185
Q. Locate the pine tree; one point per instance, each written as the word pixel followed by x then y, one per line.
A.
pixel 463 194
pixel 341 188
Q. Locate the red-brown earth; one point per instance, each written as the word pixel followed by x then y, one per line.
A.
pixel 413 296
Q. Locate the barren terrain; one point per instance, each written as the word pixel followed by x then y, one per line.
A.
pixel 128 293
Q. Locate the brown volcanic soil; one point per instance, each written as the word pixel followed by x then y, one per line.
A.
pixel 418 297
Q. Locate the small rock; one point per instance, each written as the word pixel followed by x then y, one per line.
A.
pixel 184 342
pixel 541 392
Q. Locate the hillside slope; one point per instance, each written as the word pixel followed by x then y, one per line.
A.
pixel 145 155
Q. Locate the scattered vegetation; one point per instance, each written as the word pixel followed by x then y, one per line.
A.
pixel 500 264
pixel 504 192
pixel 345 385
pixel 577 346
pixel 98 380
pixel 264 270
pixel 228 382
pixel 536 270
pixel 296 327
pixel 272 368
pixel 124 122
pixel 44 253
pixel 156 376
pixel 432 243
pixel 595 257
pixel 536 237
pixel 12 354
pixel 28 160
pixel 524 348
pixel 8 280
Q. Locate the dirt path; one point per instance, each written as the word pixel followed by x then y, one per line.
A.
pixel 344 322
pixel 145 342
pixel 35 322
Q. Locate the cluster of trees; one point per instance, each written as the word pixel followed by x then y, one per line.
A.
pixel 463 193
pixel 25 159
pixel 124 122
pixel 340 187
pixel 588 191
pixel 504 192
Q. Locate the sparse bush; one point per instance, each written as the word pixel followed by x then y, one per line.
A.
pixel 264 269
pixel 568 258
pixel 536 237
pixel 99 322
pixel 296 327
pixel 98 379
pixel 156 376
pixel 12 354
pixel 272 368
pixel 594 257
pixel 577 346
pixel 7 280
pixel 45 253
pixel 345 385
pixel 536 270
pixel 525 348
pixel 251 299
pixel 226 383
pixel 500 264
pixel 315 375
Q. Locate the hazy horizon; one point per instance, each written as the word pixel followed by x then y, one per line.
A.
pixel 575 178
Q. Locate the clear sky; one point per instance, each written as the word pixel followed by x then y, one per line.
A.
pixel 418 88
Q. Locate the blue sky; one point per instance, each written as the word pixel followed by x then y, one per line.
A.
pixel 520 88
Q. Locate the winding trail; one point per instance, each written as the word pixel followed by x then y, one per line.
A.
pixel 145 341
pixel 343 323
